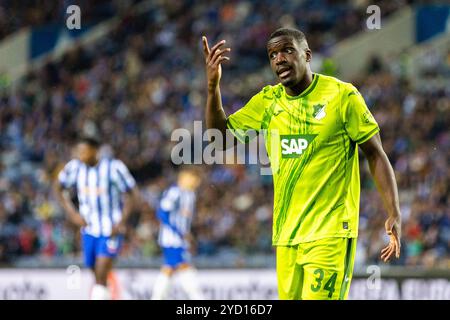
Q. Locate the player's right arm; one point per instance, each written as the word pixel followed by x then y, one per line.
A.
pixel 214 114
pixel 67 178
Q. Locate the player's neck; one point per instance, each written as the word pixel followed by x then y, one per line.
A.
pixel 300 87
pixel 93 163
pixel 183 187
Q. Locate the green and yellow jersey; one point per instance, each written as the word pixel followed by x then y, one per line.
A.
pixel 311 140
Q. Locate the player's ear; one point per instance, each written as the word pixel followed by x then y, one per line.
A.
pixel 308 54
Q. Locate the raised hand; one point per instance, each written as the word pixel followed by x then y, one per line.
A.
pixel 213 59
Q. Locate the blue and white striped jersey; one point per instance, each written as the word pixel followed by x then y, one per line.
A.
pixel 99 190
pixel 175 213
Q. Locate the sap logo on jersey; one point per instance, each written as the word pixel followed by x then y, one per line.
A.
pixel 293 145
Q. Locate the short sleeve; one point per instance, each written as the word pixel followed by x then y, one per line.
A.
pixel 122 176
pixel 247 119
pixel 67 177
pixel 359 122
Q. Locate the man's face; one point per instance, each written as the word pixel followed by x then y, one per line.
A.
pixel 86 153
pixel 288 59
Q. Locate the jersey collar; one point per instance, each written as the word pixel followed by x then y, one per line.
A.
pixel 307 91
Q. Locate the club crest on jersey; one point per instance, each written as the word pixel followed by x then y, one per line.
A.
pixel 319 111
pixel 293 145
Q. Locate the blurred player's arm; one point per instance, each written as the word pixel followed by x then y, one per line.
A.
pixel 214 114
pixel 163 217
pixel 132 200
pixel 384 177
pixel 192 243
pixel 63 197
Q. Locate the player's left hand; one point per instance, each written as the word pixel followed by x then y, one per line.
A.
pixel 393 227
pixel 119 228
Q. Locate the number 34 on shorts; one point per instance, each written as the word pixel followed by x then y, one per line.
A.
pixel 319 270
pixel 320 285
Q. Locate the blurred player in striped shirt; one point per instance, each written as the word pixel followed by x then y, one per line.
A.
pixel 175 214
pixel 100 184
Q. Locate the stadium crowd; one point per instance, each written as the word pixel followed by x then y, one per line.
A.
pixel 146 79
pixel 15 15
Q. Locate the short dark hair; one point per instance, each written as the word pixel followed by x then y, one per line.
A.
pixel 91 141
pixel 290 32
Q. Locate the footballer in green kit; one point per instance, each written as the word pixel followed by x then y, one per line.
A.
pixel 313 125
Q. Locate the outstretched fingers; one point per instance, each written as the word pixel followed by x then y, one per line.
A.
pixel 221 59
pixel 211 54
pixel 205 46
pixel 216 46
pixel 218 58
pixel 387 252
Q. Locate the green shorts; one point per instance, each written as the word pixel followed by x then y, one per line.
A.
pixel 317 270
